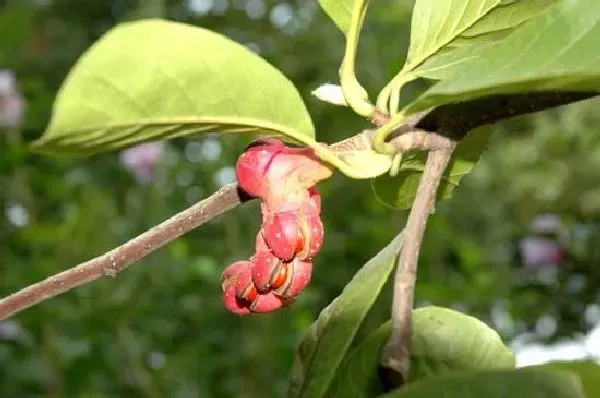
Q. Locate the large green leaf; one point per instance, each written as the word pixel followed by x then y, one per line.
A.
pixel 492 27
pixel 588 371
pixel 340 11
pixel 530 383
pixel 400 191
pixel 328 339
pixel 555 51
pixel 156 79
pixel 444 341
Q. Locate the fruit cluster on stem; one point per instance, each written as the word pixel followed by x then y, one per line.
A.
pixel 284 179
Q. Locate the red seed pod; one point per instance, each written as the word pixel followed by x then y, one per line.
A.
pixel 314 234
pixel 306 201
pixel 261 244
pixel 298 165
pixel 298 276
pixel 265 212
pixel 283 234
pixel 274 204
pixel 234 304
pixel 279 277
pixel 314 199
pixel 230 274
pixel 292 233
pixel 290 175
pixel 268 302
pixel 253 164
pixel 266 270
pixel 239 276
pixel 244 287
pixel 278 174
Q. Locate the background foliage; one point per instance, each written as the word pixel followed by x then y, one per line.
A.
pixel 514 247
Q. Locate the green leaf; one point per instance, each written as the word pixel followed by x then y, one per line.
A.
pixel 444 341
pixel 492 27
pixel 400 191
pixel 588 371
pixel 340 11
pixel 530 383
pixel 357 376
pixel 447 341
pixel 555 51
pixel 156 79
pixel 329 338
pixel 506 16
pixel 435 24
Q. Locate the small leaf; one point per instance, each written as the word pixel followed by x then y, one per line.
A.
pixel 155 79
pixel 340 11
pixel 588 371
pixel 444 341
pixel 400 191
pixel 328 339
pixel 555 51
pixel 492 27
pixel 530 383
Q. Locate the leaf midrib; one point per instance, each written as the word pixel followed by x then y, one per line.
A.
pixel 204 120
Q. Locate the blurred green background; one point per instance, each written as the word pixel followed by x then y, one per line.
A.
pixel 516 246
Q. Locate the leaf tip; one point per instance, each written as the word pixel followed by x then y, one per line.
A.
pixel 38 145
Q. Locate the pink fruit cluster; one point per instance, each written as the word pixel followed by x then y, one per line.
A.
pixel 285 179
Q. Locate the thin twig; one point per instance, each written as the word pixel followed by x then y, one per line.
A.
pixel 395 358
pixel 116 260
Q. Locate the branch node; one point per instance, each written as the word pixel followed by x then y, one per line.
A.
pixel 110 269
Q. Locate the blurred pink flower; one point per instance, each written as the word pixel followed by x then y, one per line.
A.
pixel 141 160
pixel 544 248
pixel 539 251
pixel 12 104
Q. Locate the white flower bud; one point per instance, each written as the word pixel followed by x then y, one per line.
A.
pixel 331 93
